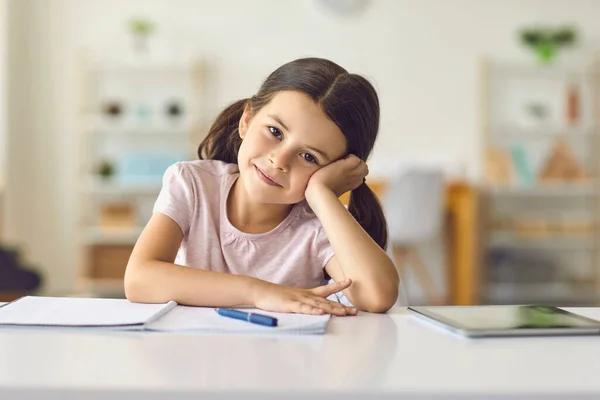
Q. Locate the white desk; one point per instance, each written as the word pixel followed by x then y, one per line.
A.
pixel 367 357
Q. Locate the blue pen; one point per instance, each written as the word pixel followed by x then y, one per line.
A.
pixel 254 318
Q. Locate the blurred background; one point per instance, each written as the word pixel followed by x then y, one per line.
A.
pixel 486 163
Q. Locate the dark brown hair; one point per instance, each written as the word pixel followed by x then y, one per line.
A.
pixel 349 100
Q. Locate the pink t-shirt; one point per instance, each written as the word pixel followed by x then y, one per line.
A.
pixel 194 195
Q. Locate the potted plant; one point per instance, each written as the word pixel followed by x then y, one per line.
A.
pixel 106 170
pixel 141 29
pixel 546 41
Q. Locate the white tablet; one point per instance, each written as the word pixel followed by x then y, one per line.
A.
pixel 517 320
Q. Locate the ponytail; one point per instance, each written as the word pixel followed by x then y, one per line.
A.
pixel 365 208
pixel 223 139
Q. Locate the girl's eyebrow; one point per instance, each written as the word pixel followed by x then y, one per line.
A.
pixel 280 122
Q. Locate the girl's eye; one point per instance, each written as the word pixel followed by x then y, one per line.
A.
pixel 308 157
pixel 275 132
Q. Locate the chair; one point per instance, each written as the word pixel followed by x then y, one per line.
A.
pixel 413 206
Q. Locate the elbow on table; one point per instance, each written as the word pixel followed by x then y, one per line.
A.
pixel 380 302
pixel 131 287
pixel 135 288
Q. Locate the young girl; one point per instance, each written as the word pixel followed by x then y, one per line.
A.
pixel 257 221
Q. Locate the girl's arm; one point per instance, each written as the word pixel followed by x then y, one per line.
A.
pixel 357 256
pixel 152 277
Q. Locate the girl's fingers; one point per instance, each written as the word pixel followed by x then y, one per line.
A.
pixel 303 308
pixel 328 290
pixel 330 307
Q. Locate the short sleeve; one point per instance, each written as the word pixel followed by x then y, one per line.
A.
pixel 324 250
pixel 178 196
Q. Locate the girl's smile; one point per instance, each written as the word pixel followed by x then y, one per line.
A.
pixel 266 178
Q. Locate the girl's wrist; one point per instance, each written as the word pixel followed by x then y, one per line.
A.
pixel 315 191
pixel 255 288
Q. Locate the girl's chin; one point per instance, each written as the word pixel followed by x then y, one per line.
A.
pixel 261 196
pixel 262 193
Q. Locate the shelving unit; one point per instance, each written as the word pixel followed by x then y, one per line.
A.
pixel 136 117
pixel 540 230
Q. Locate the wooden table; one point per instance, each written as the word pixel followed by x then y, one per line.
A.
pixel 461 205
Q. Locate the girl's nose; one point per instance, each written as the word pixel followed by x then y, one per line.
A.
pixel 280 158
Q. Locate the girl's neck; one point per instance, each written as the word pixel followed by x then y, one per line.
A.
pixel 251 217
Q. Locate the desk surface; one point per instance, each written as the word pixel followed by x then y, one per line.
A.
pixel 368 356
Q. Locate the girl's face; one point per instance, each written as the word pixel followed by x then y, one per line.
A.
pixel 283 144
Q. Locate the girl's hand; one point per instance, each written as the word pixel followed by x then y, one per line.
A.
pixel 340 176
pixel 279 298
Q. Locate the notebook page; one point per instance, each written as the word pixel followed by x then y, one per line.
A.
pixel 203 319
pixel 80 312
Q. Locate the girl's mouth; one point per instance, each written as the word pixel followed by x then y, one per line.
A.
pixel 265 178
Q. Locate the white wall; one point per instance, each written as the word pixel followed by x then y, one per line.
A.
pixel 422 56
pixel 40 185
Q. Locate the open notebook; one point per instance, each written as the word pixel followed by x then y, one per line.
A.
pixel 38 311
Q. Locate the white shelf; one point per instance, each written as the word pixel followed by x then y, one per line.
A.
pixel 514 70
pixel 557 219
pixel 557 190
pixel 555 292
pixel 542 242
pixel 543 132
pixel 143 139
pixel 101 124
pixel 141 132
pixel 132 65
pixel 99 186
pixel 111 236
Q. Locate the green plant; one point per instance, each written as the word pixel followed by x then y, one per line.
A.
pixel 546 41
pixel 106 169
pixel 141 27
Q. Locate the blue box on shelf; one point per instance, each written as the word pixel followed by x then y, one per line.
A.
pixel 145 167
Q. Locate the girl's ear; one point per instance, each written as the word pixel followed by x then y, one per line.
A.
pixel 244 122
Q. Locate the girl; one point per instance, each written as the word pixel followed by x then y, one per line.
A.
pixel 258 219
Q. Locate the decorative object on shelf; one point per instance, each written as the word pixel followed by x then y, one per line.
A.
pixel 146 166
pixel 572 105
pixel 106 170
pixel 537 113
pixel 109 262
pixel 141 29
pixel 498 168
pixel 113 109
pixel 117 215
pixel 522 166
pixel 143 113
pixel 561 165
pixel 174 109
pixel 546 41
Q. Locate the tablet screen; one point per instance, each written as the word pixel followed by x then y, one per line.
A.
pixel 509 317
